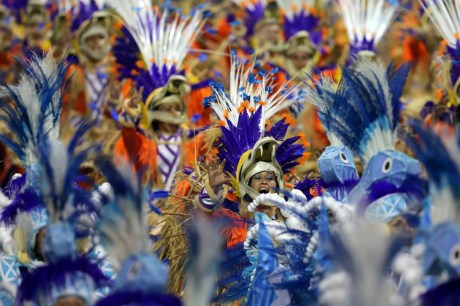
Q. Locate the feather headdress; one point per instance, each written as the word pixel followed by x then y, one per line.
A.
pixel 17 8
pixel 66 273
pixel 59 171
pixel 163 41
pixel 244 113
pixel 366 108
pixel 255 12
pixel 366 22
pixel 300 15
pixel 82 12
pixel 32 107
pixel 338 170
pixel 31 110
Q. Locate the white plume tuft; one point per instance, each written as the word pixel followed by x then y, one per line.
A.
pixel 160 40
pixel 367 20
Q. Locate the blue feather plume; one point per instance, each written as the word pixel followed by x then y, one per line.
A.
pixel 366 108
pixel 32 108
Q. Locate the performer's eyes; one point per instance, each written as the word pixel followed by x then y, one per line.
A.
pixel 343 157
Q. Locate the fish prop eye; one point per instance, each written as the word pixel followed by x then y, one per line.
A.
pixel 343 157
pixel 134 270
pixel 455 255
pixel 387 165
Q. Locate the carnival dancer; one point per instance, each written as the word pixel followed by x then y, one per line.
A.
pixel 158 137
pixel 92 70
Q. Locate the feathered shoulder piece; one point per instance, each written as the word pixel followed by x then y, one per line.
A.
pixel 163 39
pixel 244 111
pixel 300 15
pixel 365 107
pixel 440 155
pixel 445 16
pixel 32 107
pixel 366 22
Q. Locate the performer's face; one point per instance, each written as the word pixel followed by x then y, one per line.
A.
pixel 36 31
pixel 399 227
pixel 270 33
pixel 97 46
pixel 263 182
pixel 172 108
pixel 69 301
pixel 299 59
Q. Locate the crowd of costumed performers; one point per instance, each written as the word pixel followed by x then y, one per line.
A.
pixel 233 152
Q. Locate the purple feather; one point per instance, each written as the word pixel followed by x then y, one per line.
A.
pixel 287 154
pixel 85 12
pixel 24 201
pixel 446 294
pixel 306 184
pixel 17 8
pixel 303 21
pixel 14 186
pixel 253 16
pixel 43 278
pixel 278 130
pixel 358 46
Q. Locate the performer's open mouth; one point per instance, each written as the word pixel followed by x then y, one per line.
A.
pixel 264 190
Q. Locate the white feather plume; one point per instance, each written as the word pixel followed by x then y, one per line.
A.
pixel 44 71
pixel 367 19
pixel 160 40
pixel 228 106
pixel 445 15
